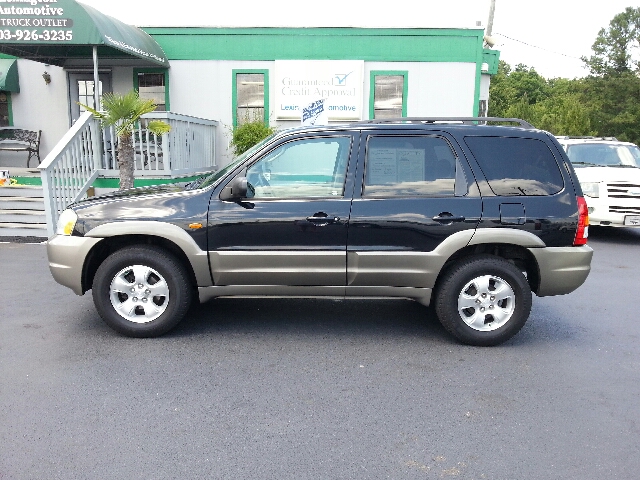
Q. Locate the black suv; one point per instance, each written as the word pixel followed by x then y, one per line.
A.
pixel 469 216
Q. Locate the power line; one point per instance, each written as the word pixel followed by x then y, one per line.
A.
pixel 539 48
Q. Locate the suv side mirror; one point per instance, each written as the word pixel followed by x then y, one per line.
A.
pixel 237 189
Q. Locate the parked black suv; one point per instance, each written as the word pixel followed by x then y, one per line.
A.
pixel 472 217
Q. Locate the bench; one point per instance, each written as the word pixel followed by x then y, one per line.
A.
pixel 20 140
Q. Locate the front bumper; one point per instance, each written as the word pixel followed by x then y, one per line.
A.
pixel 603 217
pixel 611 211
pixel 562 269
pixel 67 255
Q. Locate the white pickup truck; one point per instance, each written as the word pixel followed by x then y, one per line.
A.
pixel 609 174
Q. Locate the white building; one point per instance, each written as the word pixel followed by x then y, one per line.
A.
pixel 229 74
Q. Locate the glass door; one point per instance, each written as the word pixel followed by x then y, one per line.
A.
pixel 81 90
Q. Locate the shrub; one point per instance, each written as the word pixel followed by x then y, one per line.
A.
pixel 246 135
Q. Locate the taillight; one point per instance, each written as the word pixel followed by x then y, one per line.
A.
pixel 583 223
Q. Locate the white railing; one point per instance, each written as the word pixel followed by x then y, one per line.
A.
pixel 190 147
pixel 71 167
pixel 87 152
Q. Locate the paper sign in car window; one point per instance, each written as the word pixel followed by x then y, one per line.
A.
pixel 410 165
pixel 382 168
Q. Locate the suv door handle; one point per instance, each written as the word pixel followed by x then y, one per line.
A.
pixel 321 219
pixel 448 218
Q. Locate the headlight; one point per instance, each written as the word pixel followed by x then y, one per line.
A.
pixel 591 189
pixel 66 222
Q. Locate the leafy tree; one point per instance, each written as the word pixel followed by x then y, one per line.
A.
pixel 526 81
pixel 565 115
pixel 614 102
pixel 123 112
pixel 607 103
pixel 557 105
pixel 501 93
pixel 613 89
pixel 612 50
pixel 515 87
pixel 523 109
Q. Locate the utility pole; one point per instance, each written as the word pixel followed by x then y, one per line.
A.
pixel 490 42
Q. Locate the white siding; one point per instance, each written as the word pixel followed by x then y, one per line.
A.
pixel 485 82
pixel 204 89
pixel 39 106
pixel 44 107
pixel 435 89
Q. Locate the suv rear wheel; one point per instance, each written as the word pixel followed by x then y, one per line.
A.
pixel 141 291
pixel 483 300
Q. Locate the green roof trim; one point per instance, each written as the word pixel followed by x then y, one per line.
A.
pixel 492 59
pixel 369 44
pixel 9 75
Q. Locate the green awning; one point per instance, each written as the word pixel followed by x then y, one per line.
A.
pixel 9 75
pixel 67 31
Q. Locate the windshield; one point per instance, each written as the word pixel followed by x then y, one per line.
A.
pixel 604 155
pixel 212 178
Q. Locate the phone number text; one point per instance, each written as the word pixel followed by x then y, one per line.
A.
pixel 30 35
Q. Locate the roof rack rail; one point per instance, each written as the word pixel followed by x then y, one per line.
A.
pixel 465 120
pixel 586 137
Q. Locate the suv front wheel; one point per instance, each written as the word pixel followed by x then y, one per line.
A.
pixel 141 291
pixel 483 300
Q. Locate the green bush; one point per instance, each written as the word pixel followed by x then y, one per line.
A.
pixel 246 135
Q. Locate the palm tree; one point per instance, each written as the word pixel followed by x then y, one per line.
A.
pixel 123 112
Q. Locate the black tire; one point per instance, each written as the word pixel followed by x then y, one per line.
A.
pixel 152 304
pixel 483 300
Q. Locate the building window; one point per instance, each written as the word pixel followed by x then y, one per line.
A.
pixel 5 109
pixel 388 97
pixel 153 86
pixel 250 100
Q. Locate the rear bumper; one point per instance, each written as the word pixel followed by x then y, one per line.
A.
pixel 562 269
pixel 66 259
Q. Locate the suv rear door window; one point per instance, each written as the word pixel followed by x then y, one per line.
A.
pixel 517 166
pixel 409 165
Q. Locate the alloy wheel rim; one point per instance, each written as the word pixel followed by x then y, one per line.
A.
pixel 139 294
pixel 486 303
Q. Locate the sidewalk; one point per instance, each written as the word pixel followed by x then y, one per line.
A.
pixel 23 175
pixel 22 171
pixel 37 240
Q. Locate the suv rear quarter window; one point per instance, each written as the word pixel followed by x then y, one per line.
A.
pixel 517 166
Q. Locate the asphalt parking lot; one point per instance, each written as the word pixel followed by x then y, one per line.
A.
pixel 308 389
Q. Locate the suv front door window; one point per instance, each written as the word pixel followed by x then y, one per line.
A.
pixel 309 168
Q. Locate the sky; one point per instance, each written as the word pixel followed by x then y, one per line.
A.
pixel 549 36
